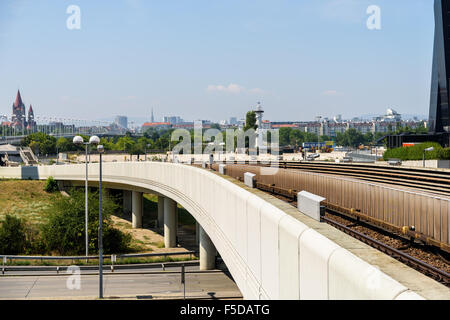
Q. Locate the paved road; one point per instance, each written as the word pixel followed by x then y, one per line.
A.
pixel 129 286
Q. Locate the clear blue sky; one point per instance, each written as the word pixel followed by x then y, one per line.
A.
pixel 209 59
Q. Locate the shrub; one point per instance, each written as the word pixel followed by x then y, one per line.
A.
pixel 116 241
pixel 444 154
pixel 64 232
pixel 416 152
pixel 13 238
pixel 50 185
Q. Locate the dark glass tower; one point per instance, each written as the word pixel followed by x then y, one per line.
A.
pixel 439 119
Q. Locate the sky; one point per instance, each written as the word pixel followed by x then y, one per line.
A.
pixel 210 59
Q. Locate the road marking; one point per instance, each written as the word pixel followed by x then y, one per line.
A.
pixel 37 278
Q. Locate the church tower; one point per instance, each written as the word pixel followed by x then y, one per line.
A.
pixel 31 123
pixel 18 113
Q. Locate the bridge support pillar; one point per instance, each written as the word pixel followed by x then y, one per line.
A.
pixel 207 252
pixel 170 223
pixel 160 211
pixel 136 209
pixel 126 201
pixel 197 232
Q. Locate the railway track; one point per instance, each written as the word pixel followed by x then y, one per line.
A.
pixel 414 262
pixel 417 264
pixel 433 181
pixel 407 238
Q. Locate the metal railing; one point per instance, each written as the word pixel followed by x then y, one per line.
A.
pixel 112 257
pixel 116 256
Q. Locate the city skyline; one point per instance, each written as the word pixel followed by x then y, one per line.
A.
pixel 138 121
pixel 203 64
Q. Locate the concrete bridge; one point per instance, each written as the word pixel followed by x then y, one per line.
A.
pixel 271 249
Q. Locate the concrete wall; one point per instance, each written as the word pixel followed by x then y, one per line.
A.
pixel 269 254
pixel 442 164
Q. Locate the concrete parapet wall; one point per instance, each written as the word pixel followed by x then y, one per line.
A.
pixel 270 254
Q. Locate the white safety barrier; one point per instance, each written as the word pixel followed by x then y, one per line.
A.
pixel 249 180
pixel 309 204
pixel 270 254
pixel 222 168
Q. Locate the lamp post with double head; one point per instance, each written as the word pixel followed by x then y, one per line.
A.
pixel 78 140
pixel 100 150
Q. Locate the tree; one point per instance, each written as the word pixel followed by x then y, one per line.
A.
pixel 340 139
pixel 64 232
pixel 64 145
pixel 325 138
pixel 250 121
pixel 368 138
pixel 45 143
pixel 125 143
pixel 285 134
pixel 152 134
pixel 12 235
pixel 296 137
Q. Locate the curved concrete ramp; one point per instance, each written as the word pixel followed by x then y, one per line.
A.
pixel 270 254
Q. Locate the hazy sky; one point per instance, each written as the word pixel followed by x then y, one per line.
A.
pixel 208 59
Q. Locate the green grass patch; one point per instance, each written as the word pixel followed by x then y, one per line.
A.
pixel 159 244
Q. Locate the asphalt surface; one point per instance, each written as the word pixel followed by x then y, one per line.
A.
pixel 127 284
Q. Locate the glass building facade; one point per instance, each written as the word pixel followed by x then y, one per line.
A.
pixel 439 118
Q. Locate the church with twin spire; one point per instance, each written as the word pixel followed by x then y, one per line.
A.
pixel 19 119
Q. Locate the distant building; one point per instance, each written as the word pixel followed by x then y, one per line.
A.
pixel 313 127
pixel 157 125
pixel 333 128
pixel 172 119
pixel 284 125
pixel 19 118
pixel 338 118
pixel 18 113
pixel 31 124
pixel 184 125
pixel 121 121
pixel 392 115
pixel 363 127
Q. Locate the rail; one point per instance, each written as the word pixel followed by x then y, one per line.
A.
pixel 117 256
pixel 419 215
pixel 416 178
pixel 427 269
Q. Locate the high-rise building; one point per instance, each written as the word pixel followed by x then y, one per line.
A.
pixel 153 118
pixel 439 116
pixel 121 121
pixel 172 119
pixel 439 120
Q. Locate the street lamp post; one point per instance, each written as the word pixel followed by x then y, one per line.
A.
pixel 79 141
pixel 427 149
pixel 100 150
